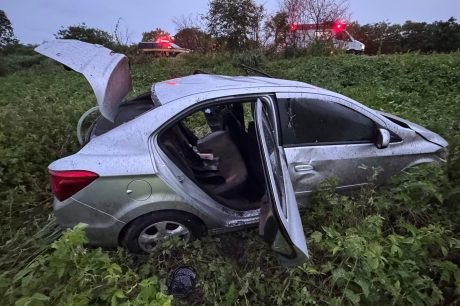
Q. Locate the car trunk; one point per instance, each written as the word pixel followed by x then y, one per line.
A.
pixel 127 111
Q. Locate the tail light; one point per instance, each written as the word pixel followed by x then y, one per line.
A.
pixel 64 184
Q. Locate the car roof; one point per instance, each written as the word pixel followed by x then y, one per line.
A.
pixel 171 90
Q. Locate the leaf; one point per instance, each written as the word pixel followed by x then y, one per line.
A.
pixel 40 297
pixel 338 274
pixel 444 251
pixel 352 297
pixel 119 294
pixel 316 236
pixel 394 249
pixel 334 302
pixel 232 294
pixel 36 299
pixel 336 249
pixel 309 269
pixel 364 286
pixel 372 262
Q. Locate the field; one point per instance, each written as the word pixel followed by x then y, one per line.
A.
pixel 397 244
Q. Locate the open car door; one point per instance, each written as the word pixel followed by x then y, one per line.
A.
pixel 280 224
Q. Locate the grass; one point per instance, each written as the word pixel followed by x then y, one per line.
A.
pixel 395 244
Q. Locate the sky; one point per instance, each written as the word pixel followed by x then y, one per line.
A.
pixel 35 21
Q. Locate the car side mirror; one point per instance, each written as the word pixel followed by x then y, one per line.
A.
pixel 383 138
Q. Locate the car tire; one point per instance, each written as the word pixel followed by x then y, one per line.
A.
pixel 144 234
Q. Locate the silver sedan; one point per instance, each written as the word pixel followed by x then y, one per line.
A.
pixel 205 154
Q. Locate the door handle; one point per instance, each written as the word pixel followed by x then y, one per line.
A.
pixel 303 168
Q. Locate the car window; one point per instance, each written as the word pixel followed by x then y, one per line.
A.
pixel 198 124
pixel 211 119
pixel 317 121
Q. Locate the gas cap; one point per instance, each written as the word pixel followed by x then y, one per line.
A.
pixel 139 190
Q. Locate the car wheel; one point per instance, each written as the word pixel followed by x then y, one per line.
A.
pixel 146 233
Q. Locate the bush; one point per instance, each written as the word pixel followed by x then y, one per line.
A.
pixel 252 58
pixel 315 48
pixel 3 69
pixel 141 58
pixel 15 63
pixel 74 275
pixel 19 49
pixel 454 160
pixel 382 248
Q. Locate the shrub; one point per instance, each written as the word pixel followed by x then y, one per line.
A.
pixel 315 48
pixel 381 248
pixel 454 160
pixel 3 69
pixel 252 58
pixel 73 275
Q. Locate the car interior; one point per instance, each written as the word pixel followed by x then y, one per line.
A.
pixel 128 111
pixel 217 148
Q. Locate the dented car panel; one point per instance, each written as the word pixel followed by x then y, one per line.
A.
pixel 420 130
pixel 138 178
pixel 357 165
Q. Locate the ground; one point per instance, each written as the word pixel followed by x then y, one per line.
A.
pixel 395 244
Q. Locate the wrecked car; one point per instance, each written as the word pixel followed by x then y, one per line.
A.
pixel 206 154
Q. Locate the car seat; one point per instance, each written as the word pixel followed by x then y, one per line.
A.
pixel 230 164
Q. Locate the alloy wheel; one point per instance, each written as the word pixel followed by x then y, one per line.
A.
pixel 153 235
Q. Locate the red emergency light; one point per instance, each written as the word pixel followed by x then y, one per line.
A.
pixel 338 26
pixel 164 41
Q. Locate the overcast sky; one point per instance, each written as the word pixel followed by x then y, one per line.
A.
pixel 35 21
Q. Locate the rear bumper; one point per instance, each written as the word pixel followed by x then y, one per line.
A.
pixel 102 229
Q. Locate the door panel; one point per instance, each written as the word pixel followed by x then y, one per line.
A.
pixel 353 165
pixel 326 136
pixel 280 222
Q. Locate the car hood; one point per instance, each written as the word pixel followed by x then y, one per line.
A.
pixel 106 71
pixel 425 133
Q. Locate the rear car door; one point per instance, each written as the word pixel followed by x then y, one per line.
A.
pixel 280 224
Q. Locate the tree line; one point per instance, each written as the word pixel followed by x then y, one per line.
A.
pixel 238 25
pixel 386 38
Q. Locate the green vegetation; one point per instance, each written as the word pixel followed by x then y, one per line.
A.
pixel 84 33
pixel 6 31
pixel 396 244
pixel 386 38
